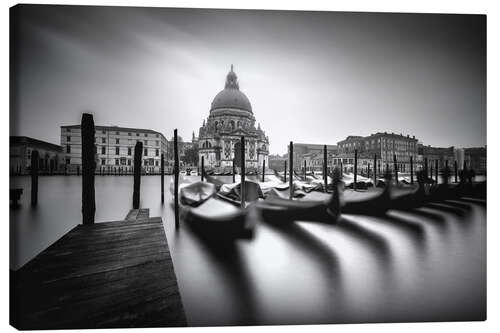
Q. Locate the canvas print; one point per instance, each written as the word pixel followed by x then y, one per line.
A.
pixel 217 167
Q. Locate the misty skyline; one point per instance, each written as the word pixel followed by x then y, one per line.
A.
pixel 311 77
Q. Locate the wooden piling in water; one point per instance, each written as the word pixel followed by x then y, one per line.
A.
pixel 447 172
pixel 411 170
pixel 88 168
pixel 242 183
pixel 375 170
pixel 431 173
pixel 456 171
pixel 325 168
pixel 395 167
pixel 234 170
pixel 176 179
pixel 34 177
pixel 202 168
pixel 263 169
pixel 437 170
pixel 368 171
pixel 162 172
pixel 285 173
pixel 136 198
pixel 290 156
pixel 355 169
pixel 426 168
pixel 305 165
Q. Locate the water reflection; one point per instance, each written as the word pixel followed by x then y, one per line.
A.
pixel 422 264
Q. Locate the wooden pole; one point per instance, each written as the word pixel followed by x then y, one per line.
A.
pixel 426 168
pixel 368 171
pixel 136 198
pixel 355 168
pixel 432 173
pixel 263 169
pixel 34 177
pixel 447 171
pixel 325 166
pixel 411 170
pixel 88 168
pixel 375 170
pixel 290 156
pixel 285 173
pixel 162 171
pixel 202 168
pixel 437 170
pixel 395 167
pixel 305 164
pixel 176 179
pixel 234 170
pixel 242 183
pixel 456 171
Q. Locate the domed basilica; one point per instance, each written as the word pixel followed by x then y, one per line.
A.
pixel 231 117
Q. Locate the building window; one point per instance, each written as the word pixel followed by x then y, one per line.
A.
pixel 68 149
pixel 103 150
pixel 117 141
pixel 117 133
pixel 117 161
pixel 157 142
pixel 103 140
pixel 145 142
pixel 117 151
pixel 129 134
pixel 157 135
pixel 103 161
pixel 157 152
pixel 136 134
pixel 67 161
pixel 68 130
pixel 146 135
pixel 145 151
pixel 129 151
pixel 156 162
pixel 68 138
pixel 129 162
pixel 103 132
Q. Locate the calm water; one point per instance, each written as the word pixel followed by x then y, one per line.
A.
pixel 425 265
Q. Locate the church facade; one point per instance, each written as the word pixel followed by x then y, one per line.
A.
pixel 231 117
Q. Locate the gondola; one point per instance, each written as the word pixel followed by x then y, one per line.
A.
pixel 210 216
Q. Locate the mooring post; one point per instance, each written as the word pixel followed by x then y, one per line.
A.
pixel 447 172
pixel 162 171
pixel 290 156
pixel 325 167
pixel 263 169
pixel 88 167
pixel 176 179
pixel 78 170
pixel 285 173
pixel 202 168
pixel 432 172
pixel 395 168
pixel 355 169
pixel 305 169
pixel 368 171
pixel 242 183
pixel 234 170
pixel 437 170
pixel 411 170
pixel 34 177
pixel 341 169
pixel 136 198
pixel 426 168
pixel 375 170
pixel 456 171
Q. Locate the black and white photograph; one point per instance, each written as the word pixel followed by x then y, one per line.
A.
pixel 173 167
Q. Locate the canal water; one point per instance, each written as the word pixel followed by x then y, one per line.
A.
pixel 424 265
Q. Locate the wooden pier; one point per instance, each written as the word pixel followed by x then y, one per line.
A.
pixel 103 275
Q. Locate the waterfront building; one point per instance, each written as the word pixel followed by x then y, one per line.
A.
pixel 114 148
pixel 385 146
pixel 231 116
pixel 476 159
pixel 50 155
pixel 440 154
pixel 312 154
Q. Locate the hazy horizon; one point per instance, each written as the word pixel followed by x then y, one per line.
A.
pixel 311 77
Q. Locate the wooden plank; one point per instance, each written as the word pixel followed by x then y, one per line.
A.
pixel 105 275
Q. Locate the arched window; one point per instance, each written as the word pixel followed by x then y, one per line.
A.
pixel 232 124
pixel 239 124
pixel 216 123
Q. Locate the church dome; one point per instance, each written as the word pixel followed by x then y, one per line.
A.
pixel 231 96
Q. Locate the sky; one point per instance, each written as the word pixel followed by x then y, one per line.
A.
pixel 311 77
